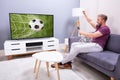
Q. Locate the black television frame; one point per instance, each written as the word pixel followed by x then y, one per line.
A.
pixel 32 14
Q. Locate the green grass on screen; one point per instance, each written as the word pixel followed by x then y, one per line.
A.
pixel 20 29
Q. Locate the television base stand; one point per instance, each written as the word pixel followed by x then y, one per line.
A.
pixel 9 57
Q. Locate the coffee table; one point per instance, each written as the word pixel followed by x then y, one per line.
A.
pixel 47 56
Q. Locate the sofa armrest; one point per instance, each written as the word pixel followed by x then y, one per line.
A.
pixel 71 40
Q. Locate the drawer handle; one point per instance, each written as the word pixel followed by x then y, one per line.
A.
pixel 15 49
pixel 16 44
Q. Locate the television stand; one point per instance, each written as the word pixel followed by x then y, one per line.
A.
pixel 18 47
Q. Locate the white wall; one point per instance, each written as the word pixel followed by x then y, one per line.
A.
pixel 108 7
pixel 111 8
pixel 91 9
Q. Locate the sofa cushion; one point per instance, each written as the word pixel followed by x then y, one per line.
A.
pixel 113 43
pixel 105 59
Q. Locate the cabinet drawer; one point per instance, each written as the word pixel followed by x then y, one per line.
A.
pixel 14 51
pixel 14 46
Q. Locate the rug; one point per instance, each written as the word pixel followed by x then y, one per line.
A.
pixel 22 69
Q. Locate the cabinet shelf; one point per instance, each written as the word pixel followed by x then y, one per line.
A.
pixel 33 47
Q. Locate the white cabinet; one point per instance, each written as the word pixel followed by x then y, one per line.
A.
pixel 12 47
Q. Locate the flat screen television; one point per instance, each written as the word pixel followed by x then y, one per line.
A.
pixel 27 26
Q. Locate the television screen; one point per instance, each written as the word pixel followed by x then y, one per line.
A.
pixel 26 26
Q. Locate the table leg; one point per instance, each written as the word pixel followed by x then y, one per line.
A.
pixel 47 65
pixel 10 57
pixel 56 66
pixel 39 62
pixel 36 61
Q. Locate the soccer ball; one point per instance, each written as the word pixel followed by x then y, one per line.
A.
pixel 36 24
